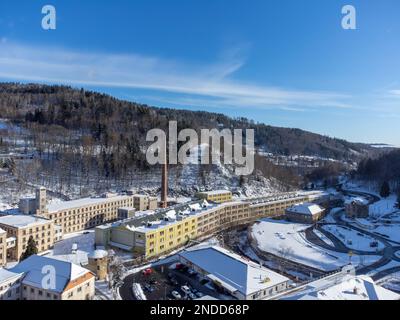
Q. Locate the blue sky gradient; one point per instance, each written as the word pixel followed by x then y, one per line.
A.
pixel 282 62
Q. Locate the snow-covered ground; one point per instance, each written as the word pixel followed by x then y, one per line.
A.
pixel 353 239
pixel 287 240
pixel 383 206
pixel 104 291
pixel 391 231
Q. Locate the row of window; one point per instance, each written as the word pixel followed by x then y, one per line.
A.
pixel 37 229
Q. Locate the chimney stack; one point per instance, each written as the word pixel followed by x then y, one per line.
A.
pixel 164 180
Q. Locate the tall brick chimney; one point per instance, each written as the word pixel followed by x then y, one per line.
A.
pixel 164 181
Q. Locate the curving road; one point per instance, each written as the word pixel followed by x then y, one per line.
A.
pixel 387 254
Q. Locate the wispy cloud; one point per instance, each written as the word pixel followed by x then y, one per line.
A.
pixel 395 92
pixel 206 85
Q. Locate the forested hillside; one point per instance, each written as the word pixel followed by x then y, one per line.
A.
pixel 87 137
pixel 383 168
pixel 102 117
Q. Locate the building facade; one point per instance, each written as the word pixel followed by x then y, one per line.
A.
pixel 356 209
pixel 77 215
pixel 144 202
pixel 20 228
pixel 86 213
pixel 3 247
pixel 218 196
pixel 171 229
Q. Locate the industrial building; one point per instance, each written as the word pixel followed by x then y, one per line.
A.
pixel 305 213
pixel 151 234
pixel 241 278
pixel 20 228
pixel 85 213
pixel 218 196
pixel 144 202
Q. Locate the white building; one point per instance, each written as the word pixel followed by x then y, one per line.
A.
pixel 242 278
pixel 342 286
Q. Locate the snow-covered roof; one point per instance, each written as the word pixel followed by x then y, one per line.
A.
pixel 343 287
pixel 358 200
pixel 35 268
pixel 215 192
pixel 231 270
pixel 306 208
pixel 6 275
pixel 2 231
pixel 22 221
pixel 78 257
pixel 73 204
pixel 172 214
pixel 97 254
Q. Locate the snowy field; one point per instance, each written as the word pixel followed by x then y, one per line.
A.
pixel 287 240
pixel 391 231
pixel 382 207
pixel 353 239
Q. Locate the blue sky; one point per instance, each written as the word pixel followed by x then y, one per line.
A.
pixel 282 62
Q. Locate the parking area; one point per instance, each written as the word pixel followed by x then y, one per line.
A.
pixel 170 282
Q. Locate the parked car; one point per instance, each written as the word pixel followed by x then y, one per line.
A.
pixel 186 290
pixel 179 266
pixel 147 272
pixel 176 295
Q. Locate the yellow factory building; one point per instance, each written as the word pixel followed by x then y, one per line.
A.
pixel 160 233
pixel 217 196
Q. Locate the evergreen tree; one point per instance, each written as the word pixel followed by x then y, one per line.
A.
pixel 31 249
pixel 385 190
